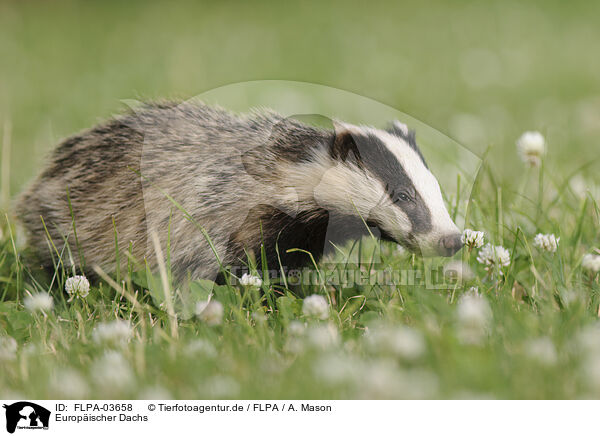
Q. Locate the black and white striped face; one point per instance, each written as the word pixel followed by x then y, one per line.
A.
pixel 383 175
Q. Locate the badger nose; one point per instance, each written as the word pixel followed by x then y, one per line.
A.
pixel 450 244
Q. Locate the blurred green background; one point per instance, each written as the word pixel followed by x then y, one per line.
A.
pixel 481 72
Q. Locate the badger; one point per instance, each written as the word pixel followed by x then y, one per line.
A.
pixel 217 187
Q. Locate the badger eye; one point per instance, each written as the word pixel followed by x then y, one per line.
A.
pixel 403 197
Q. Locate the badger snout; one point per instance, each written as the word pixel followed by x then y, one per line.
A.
pixel 449 245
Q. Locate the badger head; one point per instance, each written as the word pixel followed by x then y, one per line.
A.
pixel 382 175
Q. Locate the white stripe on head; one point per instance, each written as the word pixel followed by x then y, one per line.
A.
pixel 423 180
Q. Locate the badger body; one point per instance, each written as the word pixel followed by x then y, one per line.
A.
pixel 215 187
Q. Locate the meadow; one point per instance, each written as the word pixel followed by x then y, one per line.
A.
pixel 519 322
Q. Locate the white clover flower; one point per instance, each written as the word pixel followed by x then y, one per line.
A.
pixel 403 342
pixel 296 328
pixel 591 263
pixel 315 306
pixel 323 336
pixel 40 302
pixel 339 368
pixel 210 312
pixel 472 238
pixel 494 256
pixel 112 372
pixel 582 187
pixel 220 387
pixel 588 339
pixel 542 350
pixel 69 384
pixel 201 347
pixel 458 271
pixel 117 332
pixel 546 242
pixel 250 280
pixel 295 345
pixel 8 348
pixel 591 369
pixel 383 379
pixel 474 315
pixel 77 287
pixel 473 310
pixel 531 147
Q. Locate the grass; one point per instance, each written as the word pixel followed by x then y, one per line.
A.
pixel 480 73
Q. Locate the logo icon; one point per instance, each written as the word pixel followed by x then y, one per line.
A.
pixel 26 415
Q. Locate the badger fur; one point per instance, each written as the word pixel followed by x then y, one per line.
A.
pixel 191 173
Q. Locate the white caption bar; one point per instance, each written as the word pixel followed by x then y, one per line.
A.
pixel 298 417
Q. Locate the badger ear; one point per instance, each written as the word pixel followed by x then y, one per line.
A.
pixel 398 128
pixel 402 131
pixel 344 145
